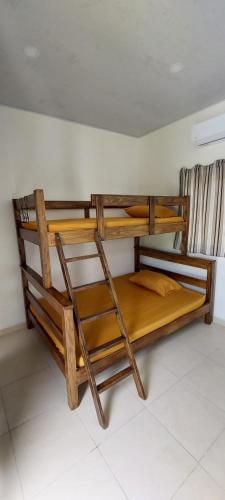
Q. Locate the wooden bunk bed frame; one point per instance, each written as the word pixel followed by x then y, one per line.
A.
pixel 75 375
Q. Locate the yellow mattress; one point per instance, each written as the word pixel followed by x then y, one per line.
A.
pixel 60 225
pixel 143 312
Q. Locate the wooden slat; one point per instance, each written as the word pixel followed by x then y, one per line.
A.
pixel 169 227
pixel 70 358
pixel 41 312
pixel 106 346
pixel 175 257
pixel 55 352
pixel 93 317
pixel 82 257
pixel 116 201
pixel 43 234
pixel 100 216
pixel 66 205
pixel 151 204
pixel 89 285
pixel 54 297
pixel 28 235
pixel 29 201
pixel 171 200
pixel 177 276
pixel 109 382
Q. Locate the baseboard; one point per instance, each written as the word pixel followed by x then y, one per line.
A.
pixel 219 321
pixel 12 329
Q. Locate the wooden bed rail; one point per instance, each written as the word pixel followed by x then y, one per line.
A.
pixel 102 201
pixel 63 306
pixel 207 283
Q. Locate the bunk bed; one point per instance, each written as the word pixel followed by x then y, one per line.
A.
pixel 145 316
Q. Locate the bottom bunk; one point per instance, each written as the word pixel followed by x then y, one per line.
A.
pixel 144 311
pixel 147 315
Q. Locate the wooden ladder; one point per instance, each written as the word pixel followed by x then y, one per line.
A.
pixel 88 355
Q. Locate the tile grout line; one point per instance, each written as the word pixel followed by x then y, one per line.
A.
pixel 13 450
pixel 114 476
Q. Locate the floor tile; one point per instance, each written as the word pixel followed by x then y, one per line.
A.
pixel 214 460
pixel 175 357
pixel 199 486
pixel 209 380
pixel 30 396
pixel 3 421
pixel 21 354
pixel 90 479
pixel 47 445
pixel 146 460
pixel 201 337
pixel 193 420
pixel 155 377
pixel 119 405
pixel 10 488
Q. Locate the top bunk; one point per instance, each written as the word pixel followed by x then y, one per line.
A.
pixel 148 215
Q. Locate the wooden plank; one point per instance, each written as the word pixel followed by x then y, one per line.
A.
pixel 173 201
pixel 28 235
pixel 54 297
pixel 82 257
pixel 178 277
pixel 89 285
pixel 70 358
pixel 93 317
pixel 119 200
pixel 43 234
pixel 41 312
pixel 136 254
pixel 87 235
pixel 22 255
pixel 100 216
pixel 175 257
pixel 109 382
pixel 66 205
pixel 28 201
pixel 169 227
pixel 55 352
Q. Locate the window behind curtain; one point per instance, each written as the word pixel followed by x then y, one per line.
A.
pixel 206 187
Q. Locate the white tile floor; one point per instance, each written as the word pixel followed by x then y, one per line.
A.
pixel 171 446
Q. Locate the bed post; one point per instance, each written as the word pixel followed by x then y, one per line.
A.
pixel 210 291
pixel 186 216
pixel 70 357
pixel 43 234
pixel 22 255
pixel 136 254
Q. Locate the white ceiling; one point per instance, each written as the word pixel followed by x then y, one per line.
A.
pixel 106 62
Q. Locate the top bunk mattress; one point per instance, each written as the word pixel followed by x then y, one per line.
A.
pixel 61 225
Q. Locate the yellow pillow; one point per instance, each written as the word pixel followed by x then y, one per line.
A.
pixel 143 211
pixel 157 282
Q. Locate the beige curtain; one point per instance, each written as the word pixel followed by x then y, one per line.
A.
pixel 206 187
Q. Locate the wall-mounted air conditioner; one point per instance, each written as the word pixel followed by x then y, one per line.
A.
pixel 210 131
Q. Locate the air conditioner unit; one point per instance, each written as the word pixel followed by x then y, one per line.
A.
pixel 210 131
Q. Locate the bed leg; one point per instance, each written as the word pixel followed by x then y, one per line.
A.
pixel 208 318
pixel 70 357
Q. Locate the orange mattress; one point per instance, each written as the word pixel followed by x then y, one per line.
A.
pixel 143 310
pixel 60 225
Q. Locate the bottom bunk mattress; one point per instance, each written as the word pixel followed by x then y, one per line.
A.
pixel 143 310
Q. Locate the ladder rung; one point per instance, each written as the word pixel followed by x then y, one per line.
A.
pixel 109 382
pixel 107 345
pixel 89 285
pixel 93 317
pixel 82 257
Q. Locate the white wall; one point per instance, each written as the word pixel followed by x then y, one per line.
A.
pixel 69 161
pixel 162 154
